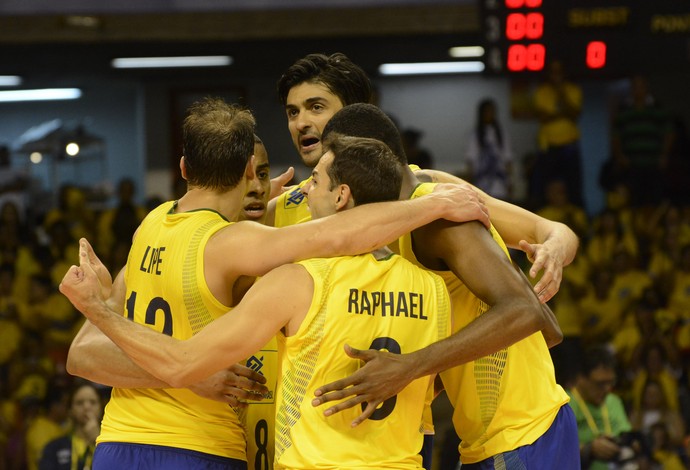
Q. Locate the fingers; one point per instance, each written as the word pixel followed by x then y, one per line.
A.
pixel 335 390
pixel 549 283
pixel 344 405
pixel 83 253
pixel 546 290
pixel 368 411
pixel 95 260
pixel 242 394
pixel 239 377
pixel 351 403
pixel 251 386
pixel 286 176
pixel 278 183
pixel 355 353
pixel 244 371
pixel 238 382
pixel 529 250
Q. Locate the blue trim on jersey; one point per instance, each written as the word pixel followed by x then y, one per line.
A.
pixel 119 455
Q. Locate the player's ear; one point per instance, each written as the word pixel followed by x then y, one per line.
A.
pixel 344 199
pixel 183 168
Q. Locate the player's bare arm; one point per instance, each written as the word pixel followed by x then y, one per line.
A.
pixel 92 355
pixel 549 245
pixel 273 303
pixel 257 249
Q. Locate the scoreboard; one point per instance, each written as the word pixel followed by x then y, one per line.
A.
pixel 593 38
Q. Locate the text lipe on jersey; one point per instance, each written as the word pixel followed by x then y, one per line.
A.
pixel 152 260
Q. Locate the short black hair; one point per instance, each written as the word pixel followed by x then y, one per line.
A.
pixel 337 72
pixel 367 120
pixel 367 166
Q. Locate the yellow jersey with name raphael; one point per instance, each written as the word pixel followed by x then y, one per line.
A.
pixel 502 401
pixel 167 291
pixel 367 303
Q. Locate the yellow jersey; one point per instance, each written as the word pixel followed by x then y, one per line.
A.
pixel 167 291
pixel 369 304
pixel 502 401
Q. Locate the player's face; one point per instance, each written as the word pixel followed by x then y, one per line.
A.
pixel 309 107
pixel 258 189
pixel 321 199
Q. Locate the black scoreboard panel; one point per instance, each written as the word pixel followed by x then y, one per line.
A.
pixel 594 38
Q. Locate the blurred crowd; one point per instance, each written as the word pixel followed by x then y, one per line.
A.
pixel 37 323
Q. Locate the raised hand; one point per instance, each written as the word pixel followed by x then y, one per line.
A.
pixel 98 267
pixel 544 258
pixel 81 284
pixel 278 183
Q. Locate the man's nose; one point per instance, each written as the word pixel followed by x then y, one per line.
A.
pixel 306 188
pixel 302 121
pixel 255 186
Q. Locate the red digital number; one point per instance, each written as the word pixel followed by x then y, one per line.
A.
pixel 596 55
pixel 514 3
pixel 517 58
pixel 534 27
pixel 516 26
pixel 523 3
pixel 519 26
pixel 536 55
pixel 521 57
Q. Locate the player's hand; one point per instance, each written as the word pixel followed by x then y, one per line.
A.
pixel 463 203
pixel 81 284
pixel 99 268
pixel 543 257
pixel 234 386
pixel 278 183
pixel 382 376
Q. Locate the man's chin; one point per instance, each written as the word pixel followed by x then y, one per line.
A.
pixel 255 216
pixel 311 158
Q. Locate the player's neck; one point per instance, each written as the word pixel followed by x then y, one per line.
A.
pixel 227 203
pixel 409 182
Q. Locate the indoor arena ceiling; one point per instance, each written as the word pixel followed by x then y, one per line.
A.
pixel 42 38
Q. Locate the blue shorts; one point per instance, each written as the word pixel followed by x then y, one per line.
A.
pixel 119 455
pixel 558 447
